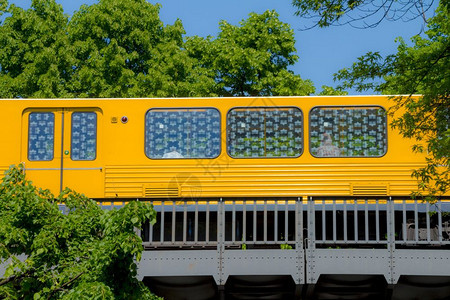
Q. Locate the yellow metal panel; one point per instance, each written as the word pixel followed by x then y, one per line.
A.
pixel 122 170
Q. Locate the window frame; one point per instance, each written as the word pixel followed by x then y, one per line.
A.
pixel 96 134
pixel 54 132
pixel 348 106
pixel 268 107
pixel 181 108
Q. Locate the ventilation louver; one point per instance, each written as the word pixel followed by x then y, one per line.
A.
pixel 369 190
pixel 161 191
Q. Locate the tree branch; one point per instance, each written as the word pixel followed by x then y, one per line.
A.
pixel 14 277
pixel 62 287
pixel 9 279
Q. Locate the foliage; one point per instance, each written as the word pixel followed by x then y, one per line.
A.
pixel 35 59
pixel 115 48
pixel 285 247
pixel 120 48
pixel 330 91
pixel 251 59
pixel 359 13
pixel 423 68
pixel 86 253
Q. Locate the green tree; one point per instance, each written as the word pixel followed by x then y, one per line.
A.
pixel 423 68
pixel 122 49
pixel 85 253
pixel 252 59
pixel 35 59
pixel 114 48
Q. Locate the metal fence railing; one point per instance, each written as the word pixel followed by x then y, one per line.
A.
pixel 287 223
pixel 233 223
pixel 421 223
pixel 356 221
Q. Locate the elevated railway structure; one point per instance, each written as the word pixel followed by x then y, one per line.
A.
pixel 312 247
pixel 297 248
pixel 281 197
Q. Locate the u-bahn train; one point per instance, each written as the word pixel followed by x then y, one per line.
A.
pixel 209 147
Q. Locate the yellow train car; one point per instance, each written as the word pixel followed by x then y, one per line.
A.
pixel 209 147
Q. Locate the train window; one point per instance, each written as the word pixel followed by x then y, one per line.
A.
pixel 41 132
pixel 84 136
pixel 182 133
pixel 265 132
pixel 348 131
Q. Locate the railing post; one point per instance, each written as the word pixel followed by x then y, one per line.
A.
pixel 390 211
pixel 220 239
pixel 439 208
pixel 310 253
pixel 299 238
pixel 174 220
pixel 196 222
pixel 299 224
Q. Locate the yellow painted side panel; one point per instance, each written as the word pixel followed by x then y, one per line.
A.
pixel 249 181
pixel 121 168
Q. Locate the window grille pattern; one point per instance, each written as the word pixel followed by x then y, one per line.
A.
pixel 348 132
pixel 41 128
pixel 265 132
pixel 84 136
pixel 182 133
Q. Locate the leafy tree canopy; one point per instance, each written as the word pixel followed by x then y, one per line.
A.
pixel 252 59
pixel 109 49
pixel 120 48
pixel 35 60
pixel 85 253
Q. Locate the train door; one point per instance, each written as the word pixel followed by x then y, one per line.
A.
pixel 82 161
pixel 41 147
pixel 60 149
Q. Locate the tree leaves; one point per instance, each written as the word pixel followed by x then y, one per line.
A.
pixel 252 59
pixel 86 252
pixel 33 44
pixel 109 49
pixel 120 48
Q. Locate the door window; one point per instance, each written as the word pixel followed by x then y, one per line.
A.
pixel 84 136
pixel 41 136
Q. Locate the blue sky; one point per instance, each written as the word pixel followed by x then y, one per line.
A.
pixel 322 52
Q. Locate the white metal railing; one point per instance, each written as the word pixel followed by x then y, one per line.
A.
pixel 422 224
pixel 183 223
pixel 281 223
pixel 355 221
pixel 235 223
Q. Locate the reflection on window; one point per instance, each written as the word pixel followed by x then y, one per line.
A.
pixel 348 132
pixel 264 132
pixel 84 136
pixel 182 133
pixel 41 128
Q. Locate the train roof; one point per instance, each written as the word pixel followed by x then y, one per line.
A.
pixel 212 98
